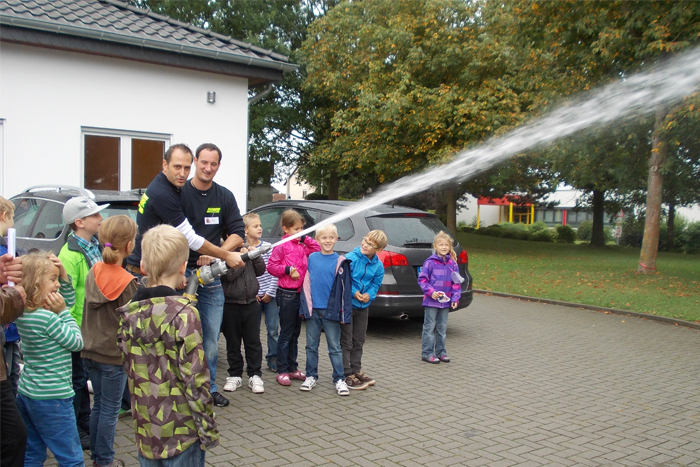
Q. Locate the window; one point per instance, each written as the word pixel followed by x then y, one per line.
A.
pixel 118 160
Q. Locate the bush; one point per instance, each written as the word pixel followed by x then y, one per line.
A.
pixel 543 236
pixel 467 229
pixel 494 230
pixel 691 238
pixel 316 196
pixel 538 226
pixel 565 234
pixel 632 231
pixel 585 231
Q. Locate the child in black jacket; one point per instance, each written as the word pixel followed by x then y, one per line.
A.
pixel 242 321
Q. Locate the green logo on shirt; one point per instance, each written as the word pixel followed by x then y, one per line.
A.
pixel 142 203
pixel 212 210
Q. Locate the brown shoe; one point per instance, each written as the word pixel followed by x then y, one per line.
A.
pixel 354 383
pixel 365 379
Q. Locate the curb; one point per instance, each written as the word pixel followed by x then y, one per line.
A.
pixel 662 319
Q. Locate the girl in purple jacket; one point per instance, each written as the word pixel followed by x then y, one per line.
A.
pixel 441 283
pixel 289 262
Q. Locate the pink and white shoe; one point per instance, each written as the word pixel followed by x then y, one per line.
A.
pixel 298 375
pixel 283 379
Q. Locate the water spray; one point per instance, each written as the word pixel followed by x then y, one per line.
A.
pixel 639 94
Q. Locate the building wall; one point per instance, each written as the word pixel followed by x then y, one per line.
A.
pixel 47 96
pixel 296 189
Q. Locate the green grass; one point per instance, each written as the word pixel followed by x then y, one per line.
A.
pixel 579 273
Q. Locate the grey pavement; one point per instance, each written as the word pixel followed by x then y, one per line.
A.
pixel 529 384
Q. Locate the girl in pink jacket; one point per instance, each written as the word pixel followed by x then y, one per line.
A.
pixel 289 262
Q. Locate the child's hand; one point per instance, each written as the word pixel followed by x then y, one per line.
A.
pixel 365 298
pixel 435 295
pixel 293 273
pixel 54 302
pixel 265 298
pixel 358 296
pixel 205 260
pixel 454 305
pixel 61 270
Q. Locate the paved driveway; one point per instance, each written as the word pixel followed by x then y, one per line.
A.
pixel 529 384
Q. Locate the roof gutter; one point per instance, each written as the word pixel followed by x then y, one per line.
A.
pixel 260 95
pixel 145 42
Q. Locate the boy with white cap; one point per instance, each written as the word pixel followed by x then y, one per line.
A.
pixel 78 255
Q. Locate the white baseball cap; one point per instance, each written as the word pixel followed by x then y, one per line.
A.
pixel 79 207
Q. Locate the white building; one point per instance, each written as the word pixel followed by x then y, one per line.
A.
pixel 295 188
pixel 92 92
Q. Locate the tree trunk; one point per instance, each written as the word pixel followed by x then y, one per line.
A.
pixel 333 185
pixel 659 154
pixel 671 218
pixel 598 232
pixel 451 211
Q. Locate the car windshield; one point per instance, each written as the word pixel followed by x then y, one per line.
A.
pixel 408 230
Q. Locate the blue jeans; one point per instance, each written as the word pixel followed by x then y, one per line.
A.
pixel 192 457
pixel 210 303
pixel 313 338
pixel 434 332
pixel 290 328
pixel 108 382
pixel 50 423
pixel 272 324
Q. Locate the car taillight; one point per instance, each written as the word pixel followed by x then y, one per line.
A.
pixel 389 259
pixel 463 257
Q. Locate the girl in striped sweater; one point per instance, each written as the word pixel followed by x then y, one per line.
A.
pixel 49 335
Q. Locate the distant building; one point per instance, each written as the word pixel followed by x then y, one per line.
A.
pixel 295 188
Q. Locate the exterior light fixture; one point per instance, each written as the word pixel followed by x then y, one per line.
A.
pixel 211 97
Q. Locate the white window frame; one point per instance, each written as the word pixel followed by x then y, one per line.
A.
pixel 125 137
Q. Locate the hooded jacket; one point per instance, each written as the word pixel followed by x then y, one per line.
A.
pixel 436 275
pixel 77 266
pixel 241 285
pixel 293 253
pixel 339 306
pixel 107 287
pixel 367 276
pixel 168 373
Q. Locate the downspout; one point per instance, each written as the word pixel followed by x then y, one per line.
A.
pixel 251 101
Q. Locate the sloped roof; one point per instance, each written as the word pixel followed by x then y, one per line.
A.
pixel 114 28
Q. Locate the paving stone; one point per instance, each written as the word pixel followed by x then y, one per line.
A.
pixel 529 385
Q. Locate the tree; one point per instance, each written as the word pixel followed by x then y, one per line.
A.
pixel 595 42
pixel 414 81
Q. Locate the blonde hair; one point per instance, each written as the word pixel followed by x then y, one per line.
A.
pixel 117 231
pixel 250 218
pixel 327 228
pixel 290 218
pixel 163 251
pixel 34 267
pixel 442 235
pixel 7 206
pixel 378 237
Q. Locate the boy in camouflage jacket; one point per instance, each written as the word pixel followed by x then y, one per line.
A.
pixel 168 374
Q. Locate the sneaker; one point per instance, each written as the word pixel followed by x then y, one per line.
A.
pixel 365 379
pixel 272 364
pixel 124 413
pixel 431 359
pixel 283 379
pixel 255 383
pixel 351 382
pixel 444 358
pixel 308 383
pixel 233 383
pixel 84 440
pixel 219 400
pixel 298 375
pixel 342 388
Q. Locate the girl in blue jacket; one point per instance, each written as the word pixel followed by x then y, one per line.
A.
pixel 439 280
